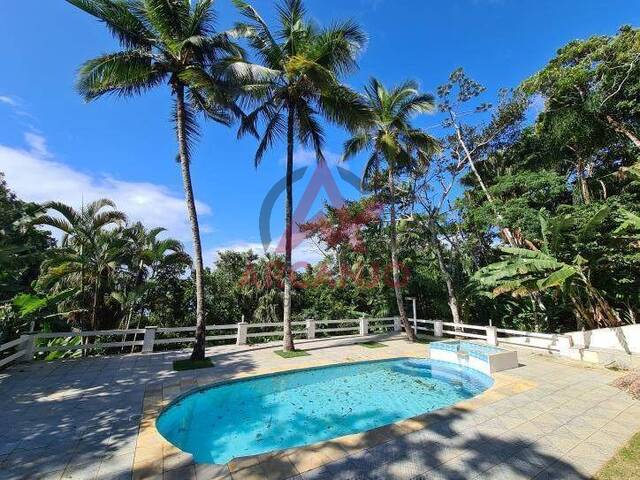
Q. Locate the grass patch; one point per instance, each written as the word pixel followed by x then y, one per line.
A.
pixel 372 344
pixel 291 354
pixel 188 364
pixel 423 340
pixel 625 464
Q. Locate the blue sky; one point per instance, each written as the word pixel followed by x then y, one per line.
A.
pixel 54 146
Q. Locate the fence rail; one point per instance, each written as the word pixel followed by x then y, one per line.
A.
pixel 6 359
pixel 149 338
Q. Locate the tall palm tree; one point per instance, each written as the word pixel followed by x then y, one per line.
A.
pixel 391 138
pixel 174 42
pixel 297 82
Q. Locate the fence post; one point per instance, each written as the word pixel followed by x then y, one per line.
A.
pixel 565 342
pixel 311 328
pixel 397 325
pixel 364 326
pixel 415 316
pixel 149 339
pixel 241 339
pixel 492 336
pixel 438 328
pixel 29 347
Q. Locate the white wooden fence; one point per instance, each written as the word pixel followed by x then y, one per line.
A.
pixel 19 345
pixel 149 338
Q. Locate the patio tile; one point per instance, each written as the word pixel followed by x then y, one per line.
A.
pixel 87 412
pixel 116 466
pixel 211 472
pixel 322 473
pixel 87 471
pixel 182 473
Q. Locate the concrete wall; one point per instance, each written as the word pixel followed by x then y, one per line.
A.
pixel 625 339
pixel 548 344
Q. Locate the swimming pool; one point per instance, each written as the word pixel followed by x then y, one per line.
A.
pixel 291 409
pixel 487 359
pixel 476 350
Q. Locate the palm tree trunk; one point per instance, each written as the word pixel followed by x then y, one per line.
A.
pixel 394 262
pixel 451 293
pixel 619 127
pixel 94 308
pixel 136 284
pixel 288 335
pixel 94 311
pixel 199 345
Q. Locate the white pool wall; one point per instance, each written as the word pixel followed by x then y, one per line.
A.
pixel 496 362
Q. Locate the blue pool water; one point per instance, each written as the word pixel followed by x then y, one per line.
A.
pixel 477 350
pixel 284 410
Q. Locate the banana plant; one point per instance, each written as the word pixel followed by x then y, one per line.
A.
pixel 523 271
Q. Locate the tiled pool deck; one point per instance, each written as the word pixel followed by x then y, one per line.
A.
pixel 94 418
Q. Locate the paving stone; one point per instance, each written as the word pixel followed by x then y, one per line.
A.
pixel 84 414
pixel 87 471
pixel 183 473
pixel 209 472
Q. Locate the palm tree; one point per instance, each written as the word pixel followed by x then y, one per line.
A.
pixel 298 82
pixel 170 41
pixel 392 140
pixel 147 253
pixel 87 249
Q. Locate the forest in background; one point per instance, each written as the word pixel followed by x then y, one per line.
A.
pixel 526 216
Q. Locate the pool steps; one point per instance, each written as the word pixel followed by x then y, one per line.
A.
pixel 484 358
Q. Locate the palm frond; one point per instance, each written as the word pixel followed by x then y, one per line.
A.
pixel 337 48
pixel 55 222
pixel 258 34
pixel 211 95
pixel 71 215
pixel 202 18
pixel 421 141
pixel 310 131
pixel 370 169
pixel 124 73
pixel 359 142
pixel 276 128
pixel 121 19
pixel 94 207
pixel 112 217
pixel 291 14
pixel 343 106
pixel 171 19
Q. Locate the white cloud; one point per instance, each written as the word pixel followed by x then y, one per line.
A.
pixel 37 145
pixel 211 255
pixel 35 176
pixel 306 252
pixel 12 102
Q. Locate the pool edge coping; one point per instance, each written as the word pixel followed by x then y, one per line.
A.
pixel 153 452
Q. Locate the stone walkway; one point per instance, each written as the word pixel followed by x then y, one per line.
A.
pixel 93 418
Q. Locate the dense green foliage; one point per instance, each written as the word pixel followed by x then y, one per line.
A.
pixel 525 213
